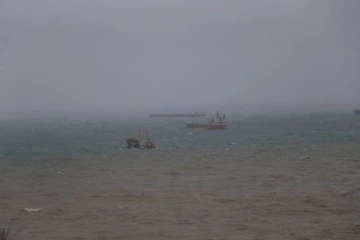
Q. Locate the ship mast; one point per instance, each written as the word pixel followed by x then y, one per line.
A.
pixel 139 136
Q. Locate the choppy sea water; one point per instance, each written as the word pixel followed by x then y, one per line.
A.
pixel 264 177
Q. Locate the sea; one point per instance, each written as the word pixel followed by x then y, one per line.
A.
pixel 266 176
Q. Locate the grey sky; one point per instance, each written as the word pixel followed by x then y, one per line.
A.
pixel 73 54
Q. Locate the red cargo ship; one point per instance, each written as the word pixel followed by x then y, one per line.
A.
pixel 217 123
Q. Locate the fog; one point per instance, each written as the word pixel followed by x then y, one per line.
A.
pixel 147 54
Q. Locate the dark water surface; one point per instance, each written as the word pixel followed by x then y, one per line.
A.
pixel 264 177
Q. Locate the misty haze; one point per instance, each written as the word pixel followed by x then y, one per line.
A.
pixel 179 119
pixel 73 55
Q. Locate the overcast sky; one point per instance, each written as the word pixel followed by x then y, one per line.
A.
pixel 83 54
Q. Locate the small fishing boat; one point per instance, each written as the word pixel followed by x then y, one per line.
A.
pixel 139 144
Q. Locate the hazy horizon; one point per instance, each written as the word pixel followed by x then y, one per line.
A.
pixel 187 55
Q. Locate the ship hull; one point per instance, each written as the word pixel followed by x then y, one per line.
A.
pixel 357 112
pixel 134 143
pixel 216 126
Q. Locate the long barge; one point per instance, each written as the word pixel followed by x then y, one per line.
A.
pixel 178 115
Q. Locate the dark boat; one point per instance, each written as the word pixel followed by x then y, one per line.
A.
pixel 217 123
pixel 194 114
pixel 357 111
pixel 133 143
pixel 139 144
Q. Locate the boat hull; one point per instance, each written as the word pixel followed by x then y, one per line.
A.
pixel 134 143
pixel 221 126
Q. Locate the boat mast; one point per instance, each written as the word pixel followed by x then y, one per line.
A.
pixel 139 136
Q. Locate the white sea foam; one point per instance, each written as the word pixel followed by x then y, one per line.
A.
pixel 32 209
